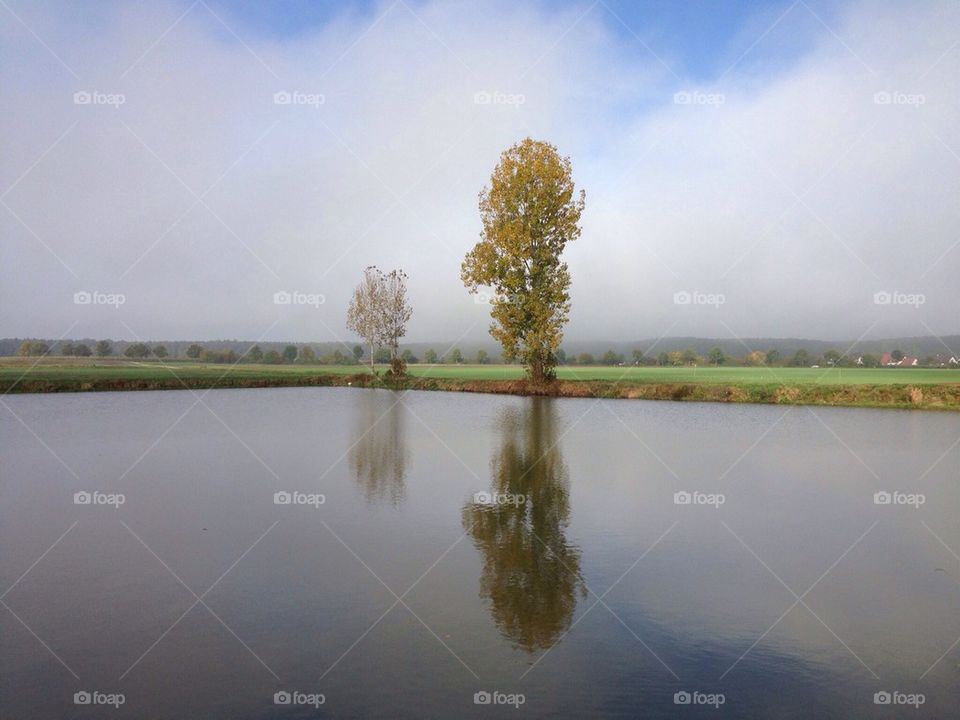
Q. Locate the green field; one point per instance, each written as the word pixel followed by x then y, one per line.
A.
pixel 722 375
pixel 87 370
pixel 916 388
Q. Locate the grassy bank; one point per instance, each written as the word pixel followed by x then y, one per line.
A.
pixel 891 388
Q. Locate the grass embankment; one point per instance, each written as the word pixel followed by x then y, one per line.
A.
pixel 890 387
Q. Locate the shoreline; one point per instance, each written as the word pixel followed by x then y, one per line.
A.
pixel 944 396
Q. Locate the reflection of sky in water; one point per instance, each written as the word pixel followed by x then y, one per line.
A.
pixel 399 481
pixel 799 499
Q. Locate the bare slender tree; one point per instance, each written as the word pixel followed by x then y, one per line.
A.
pixel 379 312
pixel 365 314
pixel 396 311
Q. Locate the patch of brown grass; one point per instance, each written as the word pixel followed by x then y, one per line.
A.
pixel 786 394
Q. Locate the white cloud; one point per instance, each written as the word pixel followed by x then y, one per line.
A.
pixel 386 170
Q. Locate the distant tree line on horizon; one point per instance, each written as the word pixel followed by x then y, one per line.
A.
pixel 756 358
pixel 306 355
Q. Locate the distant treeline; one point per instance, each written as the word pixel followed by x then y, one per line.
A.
pixel 754 358
pixel 266 353
pixel 665 352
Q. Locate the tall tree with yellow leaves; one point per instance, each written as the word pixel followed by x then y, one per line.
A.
pixel 530 211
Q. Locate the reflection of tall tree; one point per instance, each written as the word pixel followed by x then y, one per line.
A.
pixel 530 571
pixel 379 457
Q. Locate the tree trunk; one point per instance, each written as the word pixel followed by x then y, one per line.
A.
pixel 536 371
pixel 372 370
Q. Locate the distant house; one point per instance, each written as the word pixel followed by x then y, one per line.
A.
pixel 886 360
pixel 941 360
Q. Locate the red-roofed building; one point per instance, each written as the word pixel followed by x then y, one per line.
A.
pixel 886 360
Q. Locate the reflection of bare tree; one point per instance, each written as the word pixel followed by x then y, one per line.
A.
pixel 531 574
pixel 379 457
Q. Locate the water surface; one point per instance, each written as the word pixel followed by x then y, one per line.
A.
pixel 573 579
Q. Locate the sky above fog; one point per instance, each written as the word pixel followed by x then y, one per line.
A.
pixel 787 192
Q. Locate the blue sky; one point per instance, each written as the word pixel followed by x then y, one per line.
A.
pixel 702 38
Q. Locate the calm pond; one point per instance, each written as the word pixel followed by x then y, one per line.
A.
pixel 355 553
